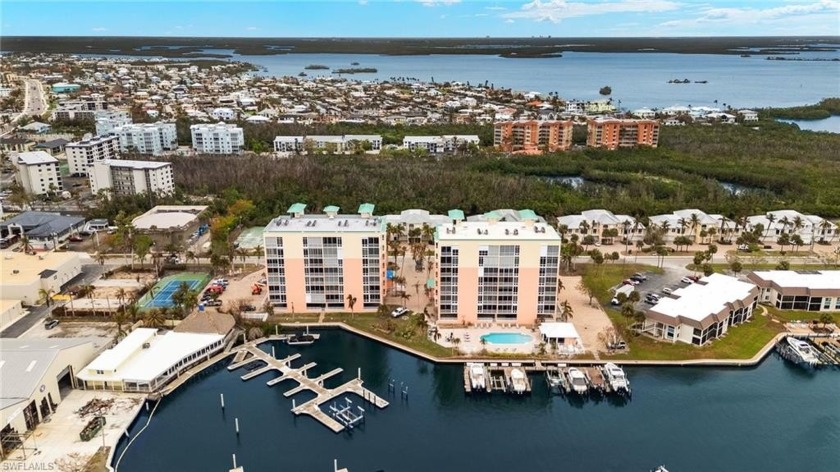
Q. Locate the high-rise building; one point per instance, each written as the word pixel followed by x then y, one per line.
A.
pixel 82 154
pixel 322 262
pixel 219 138
pixel 123 177
pixel 148 138
pixel 532 136
pixel 496 271
pixel 614 133
pixel 38 172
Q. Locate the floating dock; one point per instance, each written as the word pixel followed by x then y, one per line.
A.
pixel 339 419
pixel 498 377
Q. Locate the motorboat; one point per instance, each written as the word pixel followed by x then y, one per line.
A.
pixel 303 339
pixel 578 381
pixel 616 378
pixel 477 377
pixel 802 351
pixel 518 381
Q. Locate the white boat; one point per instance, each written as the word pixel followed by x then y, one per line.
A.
pixel 616 378
pixel 578 380
pixel 803 351
pixel 477 377
pixel 518 381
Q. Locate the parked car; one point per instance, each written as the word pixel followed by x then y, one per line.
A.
pixel 636 279
pixel 617 345
pixel 639 276
pixel 667 290
pixel 222 282
pixel 686 280
pixel 247 308
pixel 50 324
pixel 213 302
pixel 630 282
pixel 76 238
pixel 399 311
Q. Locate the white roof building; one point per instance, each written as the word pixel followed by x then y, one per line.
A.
pixel 599 220
pixel 564 336
pixel 124 177
pixel 146 360
pixel 812 290
pixel 808 227
pixel 38 172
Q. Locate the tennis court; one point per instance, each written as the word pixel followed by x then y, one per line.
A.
pixel 160 296
pixel 251 238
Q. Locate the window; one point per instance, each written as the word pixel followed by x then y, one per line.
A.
pixel 827 303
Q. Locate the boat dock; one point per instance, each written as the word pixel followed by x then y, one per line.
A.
pixel 597 382
pixel 339 418
pixel 498 377
pixel 825 348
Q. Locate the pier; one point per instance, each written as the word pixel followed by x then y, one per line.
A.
pixel 339 418
pixel 497 377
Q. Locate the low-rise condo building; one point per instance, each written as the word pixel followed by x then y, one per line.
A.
pixel 696 225
pixel 614 133
pixel 148 138
pixel 107 121
pixel 811 290
pixel 532 136
pixel 702 311
pixel 605 226
pixel 123 177
pixel 811 228
pixel 323 262
pixel 45 230
pixel 219 138
pixel 440 144
pixel 82 154
pixel 496 271
pixel 38 173
pixel 334 144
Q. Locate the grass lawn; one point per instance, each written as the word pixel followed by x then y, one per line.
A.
pixel 741 342
pixel 723 268
pixel 402 333
pixel 795 315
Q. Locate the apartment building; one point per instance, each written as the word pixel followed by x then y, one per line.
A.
pixel 339 144
pixel 38 173
pixel 219 138
pixel 440 144
pixel 614 133
pixel 82 154
pixel 108 120
pixel 122 177
pixel 811 228
pixel 496 271
pixel 694 224
pixel 532 136
pixel 288 144
pixel 811 290
pixel 319 262
pixel 605 226
pixel 83 109
pixel 148 138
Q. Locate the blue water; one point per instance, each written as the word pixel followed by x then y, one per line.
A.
pixel 637 79
pixel 507 338
pixel 830 124
pixel 774 417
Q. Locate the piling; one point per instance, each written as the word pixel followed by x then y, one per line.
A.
pixel 222 397
pixel 236 421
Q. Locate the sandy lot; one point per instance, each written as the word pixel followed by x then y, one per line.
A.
pixel 102 334
pixel 589 320
pixel 239 290
pixel 53 441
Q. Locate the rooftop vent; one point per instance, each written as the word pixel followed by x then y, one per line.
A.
pixel 516 232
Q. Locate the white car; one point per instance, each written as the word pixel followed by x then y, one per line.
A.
pixel 686 280
pixel 667 290
pixel 399 311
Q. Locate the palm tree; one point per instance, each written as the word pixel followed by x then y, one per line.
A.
pixel 566 311
pixel 351 302
pixel 190 256
pixel 155 318
pixel 405 298
pixel 428 233
pixel 132 312
pixel 25 244
pixel 626 224
pixel 785 222
pixel 584 227
pixel 771 218
pixel 46 295
pixel 121 296
pixel 119 319
pixel 694 221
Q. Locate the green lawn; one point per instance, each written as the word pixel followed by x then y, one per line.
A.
pixel 795 315
pixel 414 339
pixel 724 268
pixel 741 342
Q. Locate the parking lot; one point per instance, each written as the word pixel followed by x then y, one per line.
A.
pixel 655 283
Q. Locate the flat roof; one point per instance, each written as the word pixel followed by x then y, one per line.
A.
pixel 168 216
pixel 554 330
pixel 701 302
pixel 135 164
pixel 497 231
pixel 36 157
pixel 18 267
pixel 366 208
pixel 808 279
pixel 325 224
pixel 137 363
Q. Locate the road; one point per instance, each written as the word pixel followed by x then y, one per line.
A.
pixel 34 102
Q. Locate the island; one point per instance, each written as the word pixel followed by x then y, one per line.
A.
pixel 316 67
pixel 356 70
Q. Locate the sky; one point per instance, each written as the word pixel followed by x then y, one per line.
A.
pixel 419 18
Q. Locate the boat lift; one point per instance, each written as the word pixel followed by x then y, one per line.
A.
pixel 345 414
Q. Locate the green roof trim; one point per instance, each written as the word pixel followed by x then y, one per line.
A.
pixel 366 208
pixel 456 215
pixel 430 283
pixel 297 208
pixel 331 209
pixel 527 215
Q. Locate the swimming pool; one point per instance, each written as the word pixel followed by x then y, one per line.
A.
pixel 506 338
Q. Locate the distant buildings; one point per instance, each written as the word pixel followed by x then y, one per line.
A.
pixel 44 230
pixel 702 311
pixel 169 224
pixel 496 271
pixel 799 290
pixel 614 133
pixel 603 225
pixel 38 173
pixel 123 177
pixel 24 275
pixel 328 143
pixel 694 223
pixel 318 262
pixel 109 120
pixel 148 138
pixel 219 138
pixel 532 136
pixel 440 144
pixel 82 109
pixel 810 228
pixel 82 154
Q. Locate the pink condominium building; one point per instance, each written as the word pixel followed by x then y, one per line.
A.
pixel 320 262
pixel 496 271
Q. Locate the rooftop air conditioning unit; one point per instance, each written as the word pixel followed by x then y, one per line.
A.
pixel 16 271
pixel 146 345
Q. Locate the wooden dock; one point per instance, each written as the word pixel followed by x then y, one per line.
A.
pixel 597 382
pixel 315 385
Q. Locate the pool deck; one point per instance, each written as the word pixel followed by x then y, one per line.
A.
pixel 471 340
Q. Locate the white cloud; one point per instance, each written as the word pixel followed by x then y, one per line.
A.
pixel 251 28
pixel 363 2
pixel 557 10
pixel 495 8
pixel 509 21
pixel 99 29
pixel 434 3
pixel 824 9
